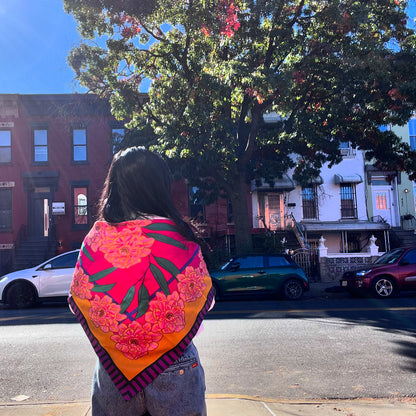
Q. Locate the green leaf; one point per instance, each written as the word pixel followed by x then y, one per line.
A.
pixel 161 227
pixel 167 240
pixel 102 288
pixel 167 265
pixel 127 299
pixel 143 301
pixel 86 253
pixel 97 276
pixel 158 275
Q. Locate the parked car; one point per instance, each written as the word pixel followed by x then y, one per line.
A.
pixel 50 280
pixel 390 273
pixel 273 274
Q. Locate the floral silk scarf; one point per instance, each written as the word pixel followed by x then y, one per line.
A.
pixel 140 291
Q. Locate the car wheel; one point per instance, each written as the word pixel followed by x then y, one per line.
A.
pixel 384 287
pixel 292 289
pixel 21 295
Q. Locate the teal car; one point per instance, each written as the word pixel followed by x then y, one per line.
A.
pixel 277 275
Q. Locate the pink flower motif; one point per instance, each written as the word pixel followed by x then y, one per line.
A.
pixel 98 234
pixel 105 314
pixel 191 284
pixel 81 285
pixel 126 247
pixel 135 340
pixel 166 313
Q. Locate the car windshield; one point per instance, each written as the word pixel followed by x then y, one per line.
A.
pixel 390 257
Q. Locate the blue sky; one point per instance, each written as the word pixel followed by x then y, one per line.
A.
pixel 35 38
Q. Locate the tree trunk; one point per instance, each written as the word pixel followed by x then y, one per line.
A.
pixel 242 218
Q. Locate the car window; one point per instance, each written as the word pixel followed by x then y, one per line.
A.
pixel 250 262
pixel 390 257
pixel 278 261
pixel 410 257
pixel 66 261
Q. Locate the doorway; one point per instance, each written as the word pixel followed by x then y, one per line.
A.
pixel 39 211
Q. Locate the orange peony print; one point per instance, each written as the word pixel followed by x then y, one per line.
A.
pixel 166 313
pixel 101 231
pixel 191 284
pixel 81 286
pixel 126 247
pixel 135 340
pixel 105 314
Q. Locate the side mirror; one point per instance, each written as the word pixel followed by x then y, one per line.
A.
pixel 47 266
pixel 234 267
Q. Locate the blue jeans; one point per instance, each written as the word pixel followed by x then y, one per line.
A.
pixel 178 391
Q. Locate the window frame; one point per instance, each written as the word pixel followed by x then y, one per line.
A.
pixel 313 206
pixel 73 146
pixel 348 208
pixel 9 226
pixel 7 162
pixel 34 146
pixel 76 208
pixel 192 190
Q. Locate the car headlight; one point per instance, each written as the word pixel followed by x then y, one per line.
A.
pixel 3 278
pixel 362 273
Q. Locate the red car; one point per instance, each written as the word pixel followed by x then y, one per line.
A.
pixel 390 273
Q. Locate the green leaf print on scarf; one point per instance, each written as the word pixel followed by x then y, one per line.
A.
pixel 99 275
pixel 102 288
pixel 127 299
pixel 143 301
pixel 167 240
pixel 167 265
pixel 161 227
pixel 86 253
pixel 158 275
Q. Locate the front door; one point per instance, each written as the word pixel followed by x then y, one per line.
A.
pixel 383 204
pixel 39 214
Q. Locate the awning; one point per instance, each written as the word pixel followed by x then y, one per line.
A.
pixel 352 178
pixel 317 180
pixel 337 226
pixel 285 183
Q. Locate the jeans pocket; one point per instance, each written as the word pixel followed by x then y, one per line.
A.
pixel 181 365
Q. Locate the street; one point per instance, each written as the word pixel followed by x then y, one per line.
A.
pixel 327 346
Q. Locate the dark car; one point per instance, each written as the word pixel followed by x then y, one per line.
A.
pixel 272 274
pixel 390 273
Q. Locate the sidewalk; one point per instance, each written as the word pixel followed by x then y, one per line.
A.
pixel 228 405
pixel 237 405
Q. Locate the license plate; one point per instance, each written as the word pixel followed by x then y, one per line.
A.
pixel 344 283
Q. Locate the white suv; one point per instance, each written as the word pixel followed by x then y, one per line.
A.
pixel 50 280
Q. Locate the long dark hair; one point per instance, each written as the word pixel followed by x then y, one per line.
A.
pixel 138 185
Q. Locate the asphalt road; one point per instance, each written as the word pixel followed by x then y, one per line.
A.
pixel 331 346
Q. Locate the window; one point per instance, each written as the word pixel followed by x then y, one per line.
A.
pixel 278 261
pixel 348 201
pixel 309 202
pixel 5 209
pixel 117 136
pixel 410 257
pixel 196 204
pixel 251 262
pixel 5 146
pixel 80 204
pixel 79 142
pixel 412 134
pixel 40 146
pixel 67 261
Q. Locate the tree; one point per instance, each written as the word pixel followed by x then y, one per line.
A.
pixel 331 70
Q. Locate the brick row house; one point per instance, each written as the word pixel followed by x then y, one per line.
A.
pixel 55 151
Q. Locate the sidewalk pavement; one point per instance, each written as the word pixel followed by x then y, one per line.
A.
pixel 230 405
pixel 238 405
